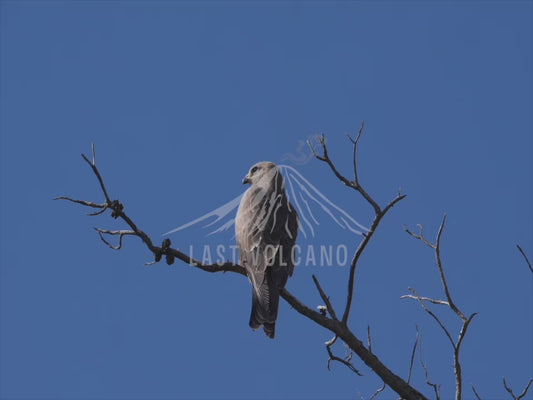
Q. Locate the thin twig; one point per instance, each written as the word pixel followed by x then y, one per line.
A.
pixel 97 173
pixel 434 316
pixel 83 202
pixel 325 158
pixel 325 298
pixel 420 236
pixel 435 386
pixel 345 361
pixel 478 397
pixel 359 252
pixel 122 233
pixel 521 395
pixel 94 214
pixel 355 142
pixel 441 271
pixel 465 321
pixel 410 296
pixel 413 354
pixel 525 257
pixel 381 389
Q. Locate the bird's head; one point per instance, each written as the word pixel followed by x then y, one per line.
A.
pixel 262 172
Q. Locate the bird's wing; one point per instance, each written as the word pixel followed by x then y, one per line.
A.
pixel 288 239
pixel 284 265
pixel 257 229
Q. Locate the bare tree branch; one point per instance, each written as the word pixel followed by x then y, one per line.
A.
pixel 478 397
pixel 434 316
pixel 359 252
pixel 102 207
pixel 456 362
pixel 465 321
pixel 413 354
pixel 355 142
pixel 442 277
pixel 325 298
pixel 379 213
pixel 122 233
pixel 339 328
pixel 525 257
pixel 346 360
pixel 118 212
pixel 376 394
pixel 97 173
pixel 434 386
pixel 420 236
pixel 521 395
pixel 353 184
pixel 410 296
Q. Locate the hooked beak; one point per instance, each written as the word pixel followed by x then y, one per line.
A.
pixel 246 180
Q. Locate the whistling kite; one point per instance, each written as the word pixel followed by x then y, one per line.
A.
pixel 266 227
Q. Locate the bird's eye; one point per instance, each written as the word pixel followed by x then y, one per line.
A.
pixel 253 170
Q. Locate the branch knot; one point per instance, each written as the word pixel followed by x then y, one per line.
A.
pixel 165 246
pixel 117 208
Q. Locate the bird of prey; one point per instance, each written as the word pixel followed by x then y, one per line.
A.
pixel 265 228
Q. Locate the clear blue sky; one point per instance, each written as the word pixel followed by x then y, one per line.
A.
pixel 181 98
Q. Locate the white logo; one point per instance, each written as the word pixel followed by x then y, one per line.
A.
pixel 310 203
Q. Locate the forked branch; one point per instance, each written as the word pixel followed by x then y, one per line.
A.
pixel 379 213
pixel 377 392
pixel 339 328
pixel 519 396
pixel 347 360
pixel 456 344
pixel 433 385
